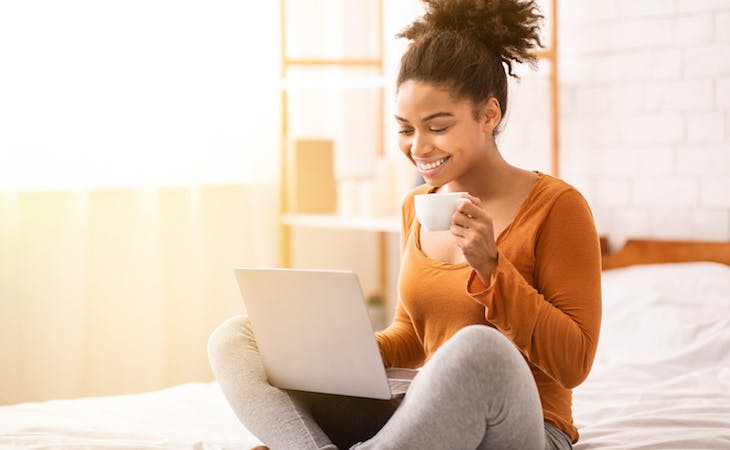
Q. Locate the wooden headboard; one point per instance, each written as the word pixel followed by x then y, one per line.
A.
pixel 651 251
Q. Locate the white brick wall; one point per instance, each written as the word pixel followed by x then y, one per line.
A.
pixel 644 8
pixel 683 95
pixel 722 27
pixel 693 29
pixel 645 114
pixel 684 6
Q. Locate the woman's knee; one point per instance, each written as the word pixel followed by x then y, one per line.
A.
pixel 475 336
pixel 480 344
pixel 234 331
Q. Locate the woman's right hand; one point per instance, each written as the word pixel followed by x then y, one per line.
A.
pixel 474 231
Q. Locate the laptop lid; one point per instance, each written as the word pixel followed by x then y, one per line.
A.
pixel 313 331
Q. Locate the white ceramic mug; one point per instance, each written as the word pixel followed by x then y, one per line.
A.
pixel 434 211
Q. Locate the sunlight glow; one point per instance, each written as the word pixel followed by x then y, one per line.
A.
pixel 137 93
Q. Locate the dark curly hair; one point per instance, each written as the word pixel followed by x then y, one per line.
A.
pixel 468 46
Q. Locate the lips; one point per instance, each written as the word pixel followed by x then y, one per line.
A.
pixel 428 166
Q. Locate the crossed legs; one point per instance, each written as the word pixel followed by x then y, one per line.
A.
pixel 475 392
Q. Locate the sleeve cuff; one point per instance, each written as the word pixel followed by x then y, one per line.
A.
pixel 476 288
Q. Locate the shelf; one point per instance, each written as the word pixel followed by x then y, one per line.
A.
pixel 337 222
pixel 291 83
pixel 332 62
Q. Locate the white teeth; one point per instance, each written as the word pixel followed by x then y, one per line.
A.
pixel 432 165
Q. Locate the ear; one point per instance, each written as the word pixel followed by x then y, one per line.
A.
pixel 490 114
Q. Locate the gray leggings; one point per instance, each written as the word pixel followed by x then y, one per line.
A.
pixel 476 392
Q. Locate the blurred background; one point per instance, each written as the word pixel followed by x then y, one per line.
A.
pixel 149 147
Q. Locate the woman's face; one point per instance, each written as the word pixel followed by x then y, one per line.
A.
pixel 438 133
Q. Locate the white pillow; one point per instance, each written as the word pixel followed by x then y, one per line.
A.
pixel 669 284
pixel 674 313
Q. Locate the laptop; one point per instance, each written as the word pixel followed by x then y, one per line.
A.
pixel 314 334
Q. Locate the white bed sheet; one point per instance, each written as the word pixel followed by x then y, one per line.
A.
pixel 189 416
pixel 661 380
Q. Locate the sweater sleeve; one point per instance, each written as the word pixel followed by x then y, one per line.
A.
pixel 555 323
pixel 399 344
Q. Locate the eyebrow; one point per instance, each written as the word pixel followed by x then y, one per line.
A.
pixel 428 117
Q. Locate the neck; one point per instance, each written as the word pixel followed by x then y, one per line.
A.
pixel 486 180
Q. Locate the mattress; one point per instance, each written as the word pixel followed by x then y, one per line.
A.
pixel 188 416
pixel 661 380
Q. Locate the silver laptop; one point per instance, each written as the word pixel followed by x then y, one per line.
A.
pixel 313 333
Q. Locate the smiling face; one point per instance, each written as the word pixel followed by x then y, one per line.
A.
pixel 440 134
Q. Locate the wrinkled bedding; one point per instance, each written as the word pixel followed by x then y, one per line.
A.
pixel 661 380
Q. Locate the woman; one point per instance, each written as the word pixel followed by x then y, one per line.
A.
pixel 501 312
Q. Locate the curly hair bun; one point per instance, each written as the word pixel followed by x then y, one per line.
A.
pixel 509 28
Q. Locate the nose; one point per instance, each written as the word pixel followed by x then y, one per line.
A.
pixel 419 146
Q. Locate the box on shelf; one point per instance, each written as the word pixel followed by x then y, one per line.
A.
pixel 380 195
pixel 311 176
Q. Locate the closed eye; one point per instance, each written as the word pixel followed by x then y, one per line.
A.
pixel 438 130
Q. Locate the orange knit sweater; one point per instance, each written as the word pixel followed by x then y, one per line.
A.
pixel 544 295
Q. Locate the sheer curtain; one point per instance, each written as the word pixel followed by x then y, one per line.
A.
pixel 139 147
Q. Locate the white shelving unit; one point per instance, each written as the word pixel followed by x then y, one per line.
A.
pixel 338 222
pixel 363 68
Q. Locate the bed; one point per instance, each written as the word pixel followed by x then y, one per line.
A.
pixel 661 379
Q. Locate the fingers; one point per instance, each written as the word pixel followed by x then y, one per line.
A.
pixel 469 205
pixel 461 222
pixel 466 212
pixel 470 216
pixel 472 227
pixel 471 198
pixel 457 231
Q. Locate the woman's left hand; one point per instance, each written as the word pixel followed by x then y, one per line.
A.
pixel 474 232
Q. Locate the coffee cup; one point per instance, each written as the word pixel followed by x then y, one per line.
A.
pixel 434 211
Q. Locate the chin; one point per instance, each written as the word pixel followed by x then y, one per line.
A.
pixel 432 182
